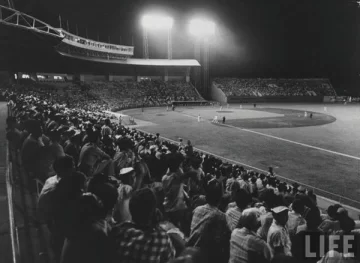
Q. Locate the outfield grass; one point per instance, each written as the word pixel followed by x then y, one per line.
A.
pixel 336 130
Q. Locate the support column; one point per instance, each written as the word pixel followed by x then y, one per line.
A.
pixel 187 76
pixel 206 75
pixel 166 74
pixel 145 44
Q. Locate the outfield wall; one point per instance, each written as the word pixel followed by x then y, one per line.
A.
pixel 235 99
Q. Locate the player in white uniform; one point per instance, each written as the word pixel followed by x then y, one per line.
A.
pixel 199 118
pixel 215 120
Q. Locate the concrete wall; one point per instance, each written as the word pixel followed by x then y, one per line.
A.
pixel 233 99
pixel 88 78
pixel 110 77
pixel 138 78
pixel 121 78
pixel 217 94
pixel 176 78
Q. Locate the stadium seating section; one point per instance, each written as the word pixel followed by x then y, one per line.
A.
pixel 113 95
pixel 274 87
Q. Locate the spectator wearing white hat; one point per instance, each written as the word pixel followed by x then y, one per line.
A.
pixel 278 236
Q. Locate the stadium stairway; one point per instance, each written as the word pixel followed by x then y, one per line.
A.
pixel 32 239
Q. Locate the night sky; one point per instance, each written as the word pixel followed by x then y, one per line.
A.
pixel 257 38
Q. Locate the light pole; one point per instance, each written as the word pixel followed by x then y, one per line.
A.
pixel 203 30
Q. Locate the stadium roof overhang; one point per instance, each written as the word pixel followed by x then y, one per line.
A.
pixel 141 62
pixel 164 62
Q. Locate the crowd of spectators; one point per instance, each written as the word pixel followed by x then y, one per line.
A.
pixel 112 95
pixel 130 94
pixel 274 87
pixel 115 194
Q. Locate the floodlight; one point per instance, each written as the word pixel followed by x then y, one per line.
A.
pixel 157 22
pixel 202 28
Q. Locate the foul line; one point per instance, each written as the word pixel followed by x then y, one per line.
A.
pixel 281 139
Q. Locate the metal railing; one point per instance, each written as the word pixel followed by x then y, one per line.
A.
pixel 9 189
pixel 15 18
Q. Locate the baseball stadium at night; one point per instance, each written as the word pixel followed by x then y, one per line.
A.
pixel 179 131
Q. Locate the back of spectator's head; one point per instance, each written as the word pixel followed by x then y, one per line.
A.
pixel 55 136
pixel 280 214
pixel 90 208
pixel 142 207
pixel 313 196
pixel 306 200
pixel 332 209
pixel 196 162
pixel 64 166
pixel 253 180
pixel 250 219
pixel 242 198
pixel 313 219
pixel 10 121
pixel 298 206
pixel 94 136
pixel 347 224
pixel 268 197
pixel 107 122
pixel 214 192
pixel 107 193
pixel 245 176
pixel 33 127
pixel 71 186
pixel 282 187
pixel 174 161
pixel 125 144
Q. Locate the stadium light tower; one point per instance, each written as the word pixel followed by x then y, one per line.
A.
pixel 202 30
pixel 156 22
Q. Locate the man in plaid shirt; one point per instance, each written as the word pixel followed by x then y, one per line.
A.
pixel 245 245
pixel 209 229
pixel 142 240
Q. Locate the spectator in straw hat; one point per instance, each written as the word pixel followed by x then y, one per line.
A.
pixel 278 236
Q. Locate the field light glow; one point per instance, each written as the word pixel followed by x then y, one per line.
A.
pixel 157 22
pixel 202 28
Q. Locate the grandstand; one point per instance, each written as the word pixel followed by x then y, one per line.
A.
pixel 235 90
